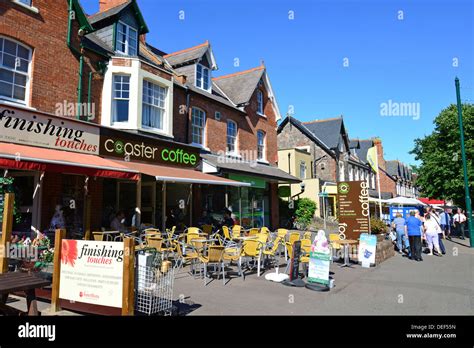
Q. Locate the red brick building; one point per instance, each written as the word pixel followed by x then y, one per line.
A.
pixel 103 102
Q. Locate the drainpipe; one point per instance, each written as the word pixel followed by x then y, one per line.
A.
pixel 89 96
pixel 289 163
pixel 81 58
pixel 187 113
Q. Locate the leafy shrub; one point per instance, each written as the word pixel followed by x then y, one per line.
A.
pixel 304 213
pixel 377 226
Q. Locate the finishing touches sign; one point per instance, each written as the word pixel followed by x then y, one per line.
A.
pixel 92 272
pixel 354 216
pixel 36 129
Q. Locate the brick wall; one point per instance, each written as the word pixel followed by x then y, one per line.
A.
pixel 54 68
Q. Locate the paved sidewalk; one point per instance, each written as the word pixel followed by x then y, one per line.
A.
pixel 436 286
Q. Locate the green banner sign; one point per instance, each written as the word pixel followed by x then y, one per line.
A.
pixel 255 182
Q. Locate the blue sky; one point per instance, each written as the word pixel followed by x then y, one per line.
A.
pixel 406 60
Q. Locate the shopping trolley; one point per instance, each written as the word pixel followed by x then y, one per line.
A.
pixel 154 283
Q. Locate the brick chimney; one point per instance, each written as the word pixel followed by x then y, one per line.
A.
pixel 143 38
pixel 380 158
pixel 105 5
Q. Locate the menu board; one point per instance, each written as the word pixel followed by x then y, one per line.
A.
pixel 353 214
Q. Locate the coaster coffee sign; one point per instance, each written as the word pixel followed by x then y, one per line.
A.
pixel 354 216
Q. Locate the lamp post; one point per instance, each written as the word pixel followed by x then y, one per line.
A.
pixel 464 165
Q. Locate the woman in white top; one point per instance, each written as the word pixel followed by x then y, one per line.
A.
pixel 432 229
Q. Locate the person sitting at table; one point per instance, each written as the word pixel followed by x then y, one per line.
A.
pixel 117 224
pixel 227 220
pixel 206 219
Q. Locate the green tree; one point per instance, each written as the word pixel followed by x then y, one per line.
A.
pixel 440 174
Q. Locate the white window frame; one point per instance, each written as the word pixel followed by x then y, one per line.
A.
pixel 201 80
pixel 342 175
pixel 260 108
pixel 264 146
pixel 26 101
pixel 351 173
pixel 303 170
pixel 128 28
pixel 203 127
pixel 163 108
pixel 235 151
pixel 114 98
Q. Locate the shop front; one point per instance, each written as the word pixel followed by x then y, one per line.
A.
pixel 78 176
pixel 257 204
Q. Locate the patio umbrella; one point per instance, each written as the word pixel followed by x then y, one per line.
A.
pixel 404 201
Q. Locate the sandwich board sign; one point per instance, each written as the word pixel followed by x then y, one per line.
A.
pixel 318 271
pixel 367 248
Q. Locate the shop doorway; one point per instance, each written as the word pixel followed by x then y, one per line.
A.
pixel 126 199
pixel 148 203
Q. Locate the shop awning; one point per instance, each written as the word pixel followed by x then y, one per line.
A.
pixel 237 166
pixel 23 157
pixel 179 175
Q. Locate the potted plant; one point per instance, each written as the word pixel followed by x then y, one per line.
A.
pixel 378 228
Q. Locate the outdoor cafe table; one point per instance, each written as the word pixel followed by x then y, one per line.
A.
pixel 345 243
pixel 18 281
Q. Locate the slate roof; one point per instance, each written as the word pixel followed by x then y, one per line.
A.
pixel 188 55
pixel 239 87
pixel 392 168
pixel 361 152
pixel 328 130
pixel 302 128
pixel 255 169
pixel 354 144
pixel 97 17
pixel 93 42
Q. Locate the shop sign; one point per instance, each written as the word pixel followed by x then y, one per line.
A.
pixel 295 260
pixel 318 269
pixel 131 147
pixel 92 272
pixel 36 129
pixel 353 200
pixel 253 181
pixel 367 248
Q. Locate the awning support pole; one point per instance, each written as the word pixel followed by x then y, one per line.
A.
pixel 190 204
pixel 138 208
pixel 163 207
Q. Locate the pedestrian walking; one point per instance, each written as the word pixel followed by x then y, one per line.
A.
pixel 413 232
pixel 432 229
pixel 398 224
pixel 459 220
pixel 441 235
pixel 445 222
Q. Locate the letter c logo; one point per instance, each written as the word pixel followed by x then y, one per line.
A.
pixel 164 154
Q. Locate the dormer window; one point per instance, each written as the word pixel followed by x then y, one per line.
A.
pixel 127 39
pixel 203 77
pixel 259 102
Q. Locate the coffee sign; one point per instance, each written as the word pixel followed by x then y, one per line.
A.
pixel 354 216
pixel 131 147
pixel 36 129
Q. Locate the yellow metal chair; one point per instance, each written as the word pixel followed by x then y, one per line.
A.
pixel 282 232
pixel 252 248
pixel 305 250
pixel 272 252
pixel 182 258
pixel 294 236
pixel 236 231
pixel 215 255
pixel 98 236
pixel 307 235
pixel 152 232
pixel 226 231
pixel 253 231
pixel 264 229
pixel 233 254
pixel 207 229
pixel 333 241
